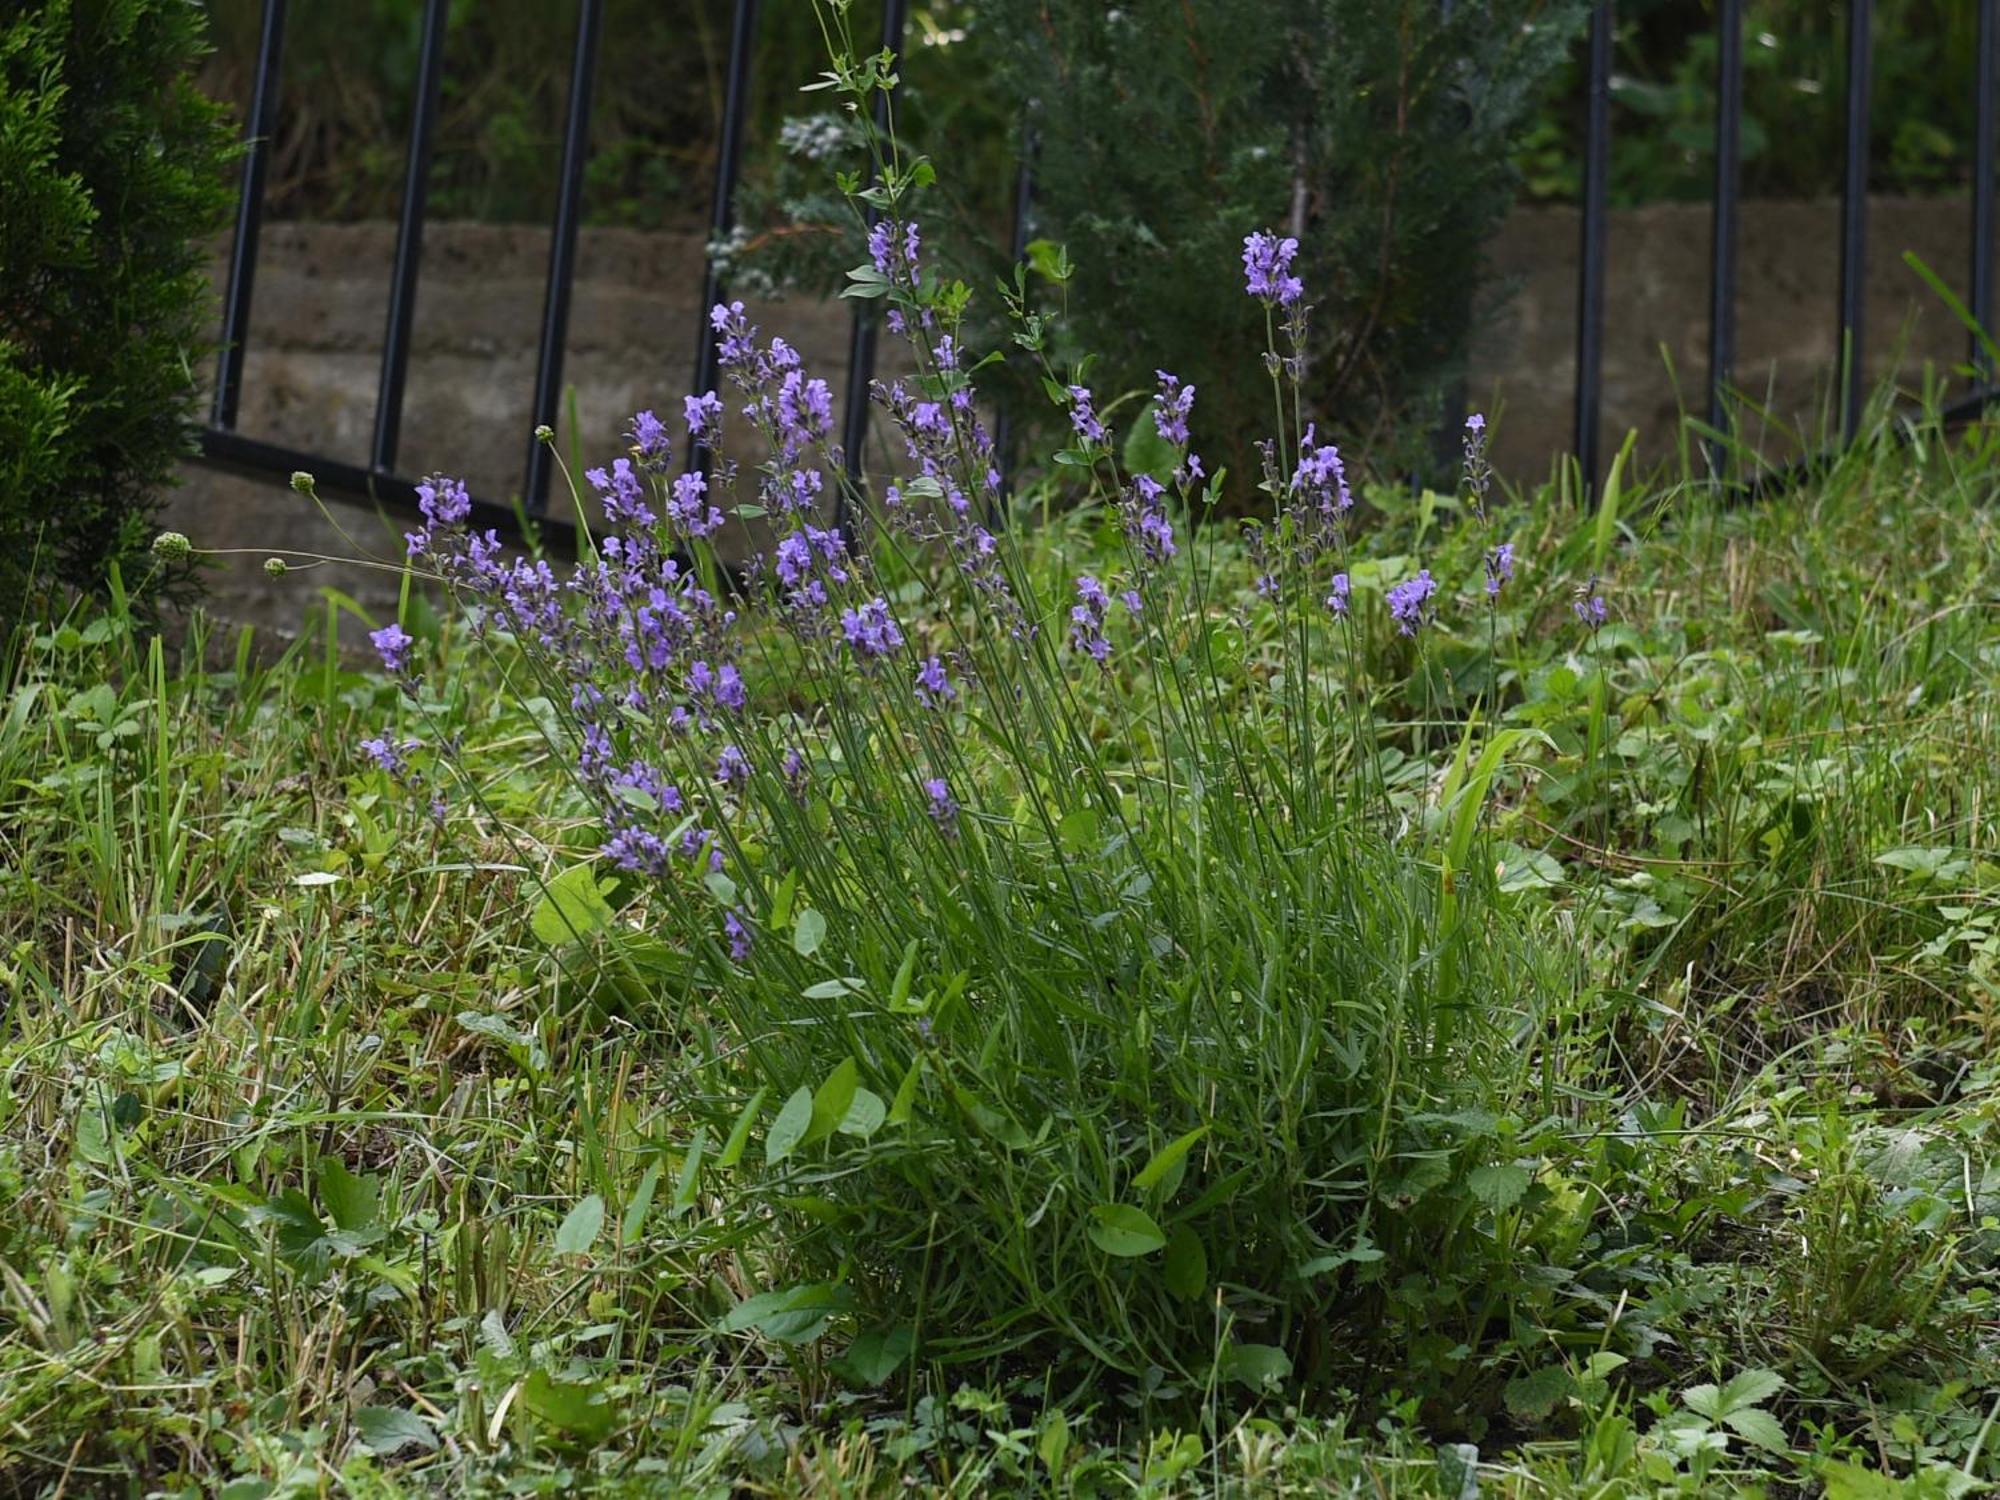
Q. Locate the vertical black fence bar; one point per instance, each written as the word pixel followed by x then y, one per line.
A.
pixel 1981 280
pixel 1723 223
pixel 409 241
pixel 722 213
pixel 249 216
pixel 1590 271
pixel 1017 252
pixel 861 340
pixel 1854 213
pixel 562 253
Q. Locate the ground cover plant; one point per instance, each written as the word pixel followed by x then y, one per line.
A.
pixel 1424 992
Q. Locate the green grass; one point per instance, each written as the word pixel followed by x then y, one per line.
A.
pixel 321 1172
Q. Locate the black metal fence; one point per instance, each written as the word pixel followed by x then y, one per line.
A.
pixel 380 482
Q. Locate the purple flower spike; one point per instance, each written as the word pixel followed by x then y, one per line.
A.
pixel 1267 264
pixel 1499 568
pixel 1336 599
pixel 871 630
pixel 731 767
pixel 1407 602
pixel 738 934
pixel 1172 407
pixel 1083 415
pixel 933 687
pixel 703 414
pixel 649 437
pixel 392 643
pixel 943 808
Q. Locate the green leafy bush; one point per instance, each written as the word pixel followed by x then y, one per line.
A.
pixel 113 165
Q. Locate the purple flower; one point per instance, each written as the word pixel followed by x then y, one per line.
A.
pixel 1336 599
pixel 624 494
pixel 389 756
pixel 392 642
pixel 1146 522
pixel 933 686
pixel 1083 417
pixel 1320 481
pixel 702 413
pixel 1407 601
pixel 797 773
pixel 689 509
pixel 445 505
pixel 1172 407
pixel 738 935
pixel 649 436
pixel 883 251
pixel 1591 609
pixel 1478 472
pixel 1267 263
pixel 731 768
pixel 1499 568
pixel 943 808
pixel 637 849
pixel 871 630
pixel 1134 605
pixel 1086 616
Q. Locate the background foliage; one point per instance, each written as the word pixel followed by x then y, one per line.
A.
pixel 113 170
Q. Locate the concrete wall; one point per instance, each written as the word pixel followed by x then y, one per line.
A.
pixel 315 351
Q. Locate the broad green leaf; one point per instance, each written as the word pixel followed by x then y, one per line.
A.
pixel 690 1172
pixel 641 1204
pixel 1499 1185
pixel 1260 1367
pixel 580 1227
pixel 739 1135
pixel 384 1430
pixel 865 1115
pixel 906 1092
pixel 878 1353
pixel 351 1201
pixel 830 1103
pixel 572 907
pixel 1186 1264
pixel 808 932
pixel 792 1316
pixel 906 972
pixel 790 1127
pixel 835 989
pixel 990 1121
pixel 1122 1230
pixel 579 1409
pixel 1532 1397
pixel 1164 1159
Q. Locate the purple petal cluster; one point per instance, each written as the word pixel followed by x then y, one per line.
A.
pixel 1267 266
pixel 1499 568
pixel 1083 416
pixel 392 643
pixel 1409 602
pixel 943 806
pixel 1086 620
pixel 1337 594
pixel 871 630
pixel 1144 509
pixel 933 685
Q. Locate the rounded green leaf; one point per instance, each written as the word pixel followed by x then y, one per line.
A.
pixel 790 1127
pixel 1122 1230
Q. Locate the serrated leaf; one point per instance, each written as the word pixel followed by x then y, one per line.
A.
pixel 580 1227
pixel 808 932
pixel 1122 1230
pixel 1532 1397
pixel 1759 1427
pixel 1166 1157
pixel 385 1430
pixel 1747 1388
pixel 790 1127
pixel 572 907
pixel 1498 1185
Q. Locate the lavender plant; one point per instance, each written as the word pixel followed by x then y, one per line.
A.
pixel 1079 988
